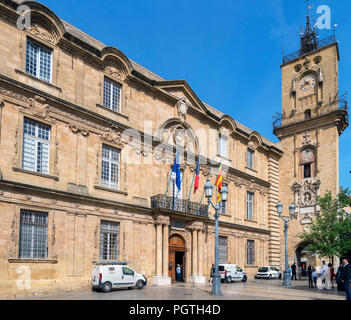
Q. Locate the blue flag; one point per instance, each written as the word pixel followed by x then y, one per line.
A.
pixel 176 170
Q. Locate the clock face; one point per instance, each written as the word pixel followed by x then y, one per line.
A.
pixel 307 84
pixel 307 155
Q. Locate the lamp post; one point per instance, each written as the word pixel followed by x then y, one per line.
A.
pixel 216 283
pixel 292 208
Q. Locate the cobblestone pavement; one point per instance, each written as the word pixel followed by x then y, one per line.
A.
pixel 251 290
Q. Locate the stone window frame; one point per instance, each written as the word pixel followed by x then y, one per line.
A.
pixel 54 58
pixel 53 152
pixel 109 220
pixel 121 112
pixel 15 237
pixel 253 252
pixel 252 192
pixel 122 170
pixel 223 133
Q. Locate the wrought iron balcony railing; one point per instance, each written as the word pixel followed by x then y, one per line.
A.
pixel 320 44
pixel 340 104
pixel 178 205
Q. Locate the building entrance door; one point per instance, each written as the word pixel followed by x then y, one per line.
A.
pixel 176 256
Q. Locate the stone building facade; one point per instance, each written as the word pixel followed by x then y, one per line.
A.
pixel 87 143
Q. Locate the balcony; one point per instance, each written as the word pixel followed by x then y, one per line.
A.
pixel 173 205
pixel 338 104
pixel 320 44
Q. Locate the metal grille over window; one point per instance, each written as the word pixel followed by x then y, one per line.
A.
pixel 250 252
pixel 109 240
pixel 250 159
pixel 110 167
pixel 112 95
pixel 33 234
pixel 38 61
pixel 36 149
pixel 222 145
pixel 222 250
pixel 249 206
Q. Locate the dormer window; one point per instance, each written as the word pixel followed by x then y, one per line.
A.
pixel 112 95
pixel 223 145
pixel 38 61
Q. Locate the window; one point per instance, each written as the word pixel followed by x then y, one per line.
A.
pixel 249 205
pixel 33 234
pixel 223 205
pixel 109 240
pixel 222 250
pixel 250 158
pixel 127 271
pixel 307 171
pixel 112 95
pixel 223 145
pixel 308 114
pixel 110 167
pixel 36 146
pixel 38 61
pixel 250 252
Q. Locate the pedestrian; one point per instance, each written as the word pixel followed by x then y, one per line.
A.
pixel 212 273
pixel 293 269
pixel 332 274
pixel 314 277
pixel 300 271
pixel 325 276
pixel 179 273
pixel 310 281
pixel 340 285
pixel 346 277
pixel 290 271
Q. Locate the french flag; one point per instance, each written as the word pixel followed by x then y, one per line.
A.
pixel 197 175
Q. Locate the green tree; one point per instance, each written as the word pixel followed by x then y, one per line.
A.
pixel 330 232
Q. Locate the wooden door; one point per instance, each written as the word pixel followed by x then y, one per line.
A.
pixel 171 265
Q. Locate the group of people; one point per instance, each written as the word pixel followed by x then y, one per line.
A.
pixel 327 275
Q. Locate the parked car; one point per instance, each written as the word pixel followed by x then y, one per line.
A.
pixel 111 275
pixel 231 272
pixel 268 272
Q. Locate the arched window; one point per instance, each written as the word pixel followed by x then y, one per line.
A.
pixel 308 114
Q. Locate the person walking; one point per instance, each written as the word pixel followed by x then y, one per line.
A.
pixel 179 273
pixel 293 269
pixel 325 276
pixel 339 284
pixel 314 277
pixel 332 274
pixel 290 271
pixel 309 272
pixel 212 273
pixel 346 277
pixel 300 271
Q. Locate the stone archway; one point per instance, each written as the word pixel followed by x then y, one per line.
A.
pixel 304 257
pixel 177 255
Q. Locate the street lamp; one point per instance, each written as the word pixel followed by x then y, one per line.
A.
pixel 216 283
pixel 292 208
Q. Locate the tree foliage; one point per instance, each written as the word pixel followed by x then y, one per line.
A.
pixel 330 232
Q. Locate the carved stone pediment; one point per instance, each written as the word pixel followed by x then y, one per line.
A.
pixel 41 33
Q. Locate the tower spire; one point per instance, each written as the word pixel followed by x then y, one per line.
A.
pixel 308 39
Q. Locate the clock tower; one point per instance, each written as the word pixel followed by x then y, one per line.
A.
pixel 313 117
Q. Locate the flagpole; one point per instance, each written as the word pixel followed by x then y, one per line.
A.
pixel 212 193
pixel 191 188
pixel 181 182
pixel 203 192
pixel 169 181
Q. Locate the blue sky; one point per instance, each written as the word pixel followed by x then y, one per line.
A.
pixel 228 51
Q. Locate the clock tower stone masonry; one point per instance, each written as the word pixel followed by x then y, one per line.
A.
pixel 313 117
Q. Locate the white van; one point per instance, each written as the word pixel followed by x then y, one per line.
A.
pixel 114 274
pixel 268 272
pixel 231 272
